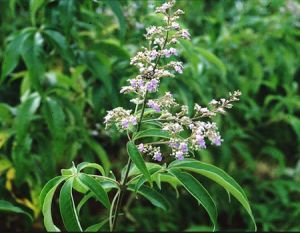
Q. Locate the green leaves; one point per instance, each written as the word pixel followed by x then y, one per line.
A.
pixel 32 53
pixel 96 189
pixel 74 180
pixel 217 175
pixel 12 53
pixel 151 133
pixel 195 188
pixel 67 207
pixel 6 206
pixel 138 159
pixel 46 197
pixel 117 9
pixel 153 196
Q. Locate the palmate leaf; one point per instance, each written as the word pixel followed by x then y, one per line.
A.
pixel 217 175
pixel 138 160
pixel 195 188
pixel 67 207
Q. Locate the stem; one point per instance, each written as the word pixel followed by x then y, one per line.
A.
pixel 123 185
pixel 129 162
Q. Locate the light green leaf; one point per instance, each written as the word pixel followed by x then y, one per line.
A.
pixel 196 189
pixel 84 165
pixel 96 188
pixel 46 197
pixel 138 160
pixel 67 207
pixel 151 133
pixel 217 175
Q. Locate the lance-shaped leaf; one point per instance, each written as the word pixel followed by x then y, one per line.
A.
pixel 96 188
pixel 217 175
pixel 196 189
pixel 46 197
pixel 153 196
pixel 6 206
pixel 152 133
pixel 84 165
pixel 67 207
pixel 138 159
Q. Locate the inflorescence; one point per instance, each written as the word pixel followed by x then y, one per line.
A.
pixel 169 115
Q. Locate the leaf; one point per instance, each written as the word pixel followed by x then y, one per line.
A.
pixel 138 159
pixel 46 197
pixel 96 188
pixel 6 206
pixel 196 189
pixel 153 196
pixel 213 59
pixel 96 227
pixel 117 9
pixel 12 53
pixel 67 207
pixel 84 165
pixel 55 118
pixel 32 53
pixel 102 155
pixel 60 41
pixel 34 6
pixel 25 114
pixel 151 133
pixel 217 175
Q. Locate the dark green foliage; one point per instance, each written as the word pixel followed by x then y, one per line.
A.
pixel 62 66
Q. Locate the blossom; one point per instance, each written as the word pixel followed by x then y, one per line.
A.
pixel 185 34
pixel 153 105
pixel 152 85
pixel 169 52
pixel 188 132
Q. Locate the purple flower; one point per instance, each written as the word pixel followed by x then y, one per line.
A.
pixel 175 26
pixel 133 120
pixel 185 34
pixel 179 155
pixel 141 148
pixel 200 141
pixel 133 83
pixel 217 140
pixel 183 147
pixel 152 85
pixel 178 69
pixel 153 54
pixel 153 105
pixel 124 123
pixel 157 156
pixel 170 52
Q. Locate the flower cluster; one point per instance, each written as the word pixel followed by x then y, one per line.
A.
pixel 155 62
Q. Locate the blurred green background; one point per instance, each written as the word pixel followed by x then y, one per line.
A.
pixel 63 63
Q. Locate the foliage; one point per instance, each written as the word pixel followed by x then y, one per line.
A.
pixel 64 61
